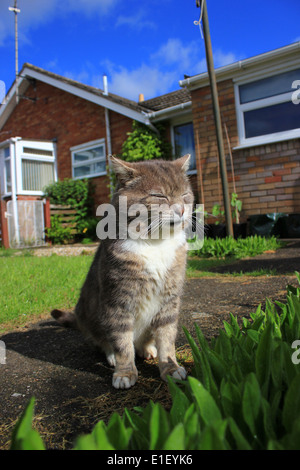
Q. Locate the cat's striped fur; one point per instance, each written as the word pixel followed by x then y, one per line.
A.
pixel 130 299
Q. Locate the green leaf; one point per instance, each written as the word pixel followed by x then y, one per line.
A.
pixel 180 402
pixel 86 442
pixel 241 442
pixel 209 411
pixel 24 437
pixel 100 437
pixel 213 437
pixel 176 440
pixel 117 433
pixel 251 402
pixel 263 357
pixel 291 407
pixel 159 427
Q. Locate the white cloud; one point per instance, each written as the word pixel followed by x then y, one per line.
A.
pixel 138 21
pixel 145 79
pixel 164 69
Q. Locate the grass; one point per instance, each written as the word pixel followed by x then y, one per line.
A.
pixel 32 285
pixel 201 267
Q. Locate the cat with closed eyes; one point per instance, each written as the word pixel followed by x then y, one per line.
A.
pixel 129 302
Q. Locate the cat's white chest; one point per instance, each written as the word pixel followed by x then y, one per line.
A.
pixel 158 256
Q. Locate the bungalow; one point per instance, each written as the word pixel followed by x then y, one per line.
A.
pixel 62 128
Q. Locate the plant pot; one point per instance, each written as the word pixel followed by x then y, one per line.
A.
pixel 240 230
pixel 216 231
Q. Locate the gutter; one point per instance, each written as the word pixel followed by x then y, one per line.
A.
pixel 165 112
pixel 242 65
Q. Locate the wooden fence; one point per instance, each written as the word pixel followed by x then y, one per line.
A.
pixel 67 216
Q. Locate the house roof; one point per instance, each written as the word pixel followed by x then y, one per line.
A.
pixel 140 111
pixel 168 100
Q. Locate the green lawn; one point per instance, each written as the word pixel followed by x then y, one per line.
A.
pixel 32 285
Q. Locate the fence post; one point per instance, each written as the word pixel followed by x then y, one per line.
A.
pixel 4 225
pixel 47 219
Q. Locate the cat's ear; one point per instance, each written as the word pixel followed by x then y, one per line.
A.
pixel 124 170
pixel 184 162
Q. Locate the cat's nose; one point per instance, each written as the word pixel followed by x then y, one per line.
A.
pixel 179 210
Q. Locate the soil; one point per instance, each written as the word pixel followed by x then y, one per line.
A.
pixel 72 382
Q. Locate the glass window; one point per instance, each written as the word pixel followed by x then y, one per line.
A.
pixel 89 161
pixel 278 118
pixel 184 142
pixel 267 87
pixel 36 174
pixel 7 175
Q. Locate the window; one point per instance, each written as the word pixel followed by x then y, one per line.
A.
pixel 36 174
pixel 7 170
pixel 35 166
pixel 184 142
pixel 89 160
pixel 265 109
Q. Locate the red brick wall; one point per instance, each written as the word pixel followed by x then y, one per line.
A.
pixel 267 176
pixel 59 115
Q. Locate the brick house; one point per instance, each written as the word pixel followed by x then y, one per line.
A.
pixel 61 128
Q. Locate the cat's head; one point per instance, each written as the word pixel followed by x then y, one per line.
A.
pixel 161 187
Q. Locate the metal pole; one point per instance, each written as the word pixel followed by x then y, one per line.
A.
pixel 16 11
pixel 217 116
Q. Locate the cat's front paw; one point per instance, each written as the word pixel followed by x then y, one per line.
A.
pixel 124 380
pixel 180 373
pixel 175 372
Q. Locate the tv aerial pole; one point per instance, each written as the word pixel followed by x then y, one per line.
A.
pixel 16 10
pixel 217 115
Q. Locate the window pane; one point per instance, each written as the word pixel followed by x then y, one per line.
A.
pixel 6 152
pixel 90 169
pixel 184 142
pixel 36 175
pixel 278 118
pixel 92 154
pixel 34 151
pixel 267 87
pixel 7 175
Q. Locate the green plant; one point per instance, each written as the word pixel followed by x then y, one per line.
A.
pixel 76 193
pixel 57 233
pixel 218 213
pixel 240 248
pixel 236 204
pixel 143 143
pixel 244 394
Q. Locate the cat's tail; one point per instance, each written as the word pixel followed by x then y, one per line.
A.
pixel 66 319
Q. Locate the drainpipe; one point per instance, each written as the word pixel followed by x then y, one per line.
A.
pixel 13 156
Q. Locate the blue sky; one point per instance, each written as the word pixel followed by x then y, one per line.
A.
pixel 143 46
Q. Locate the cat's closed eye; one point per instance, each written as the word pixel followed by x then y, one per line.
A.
pixel 160 195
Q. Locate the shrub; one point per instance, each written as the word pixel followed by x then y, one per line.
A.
pixel 243 394
pixel 79 195
pixel 57 233
pixel 144 144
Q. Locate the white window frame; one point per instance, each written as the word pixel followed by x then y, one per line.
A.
pixel 20 155
pixel 6 192
pixel 181 121
pixel 262 103
pixel 88 146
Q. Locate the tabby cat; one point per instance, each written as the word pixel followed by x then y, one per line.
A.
pixel 130 299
